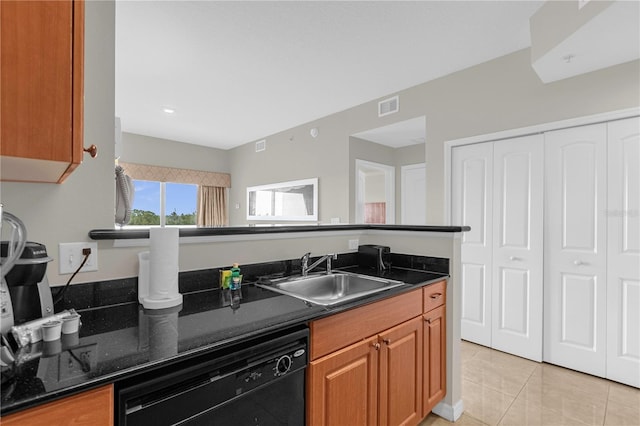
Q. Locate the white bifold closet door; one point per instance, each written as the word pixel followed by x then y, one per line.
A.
pixel 623 252
pixel 517 278
pixel 575 248
pixel 471 204
pixel 497 189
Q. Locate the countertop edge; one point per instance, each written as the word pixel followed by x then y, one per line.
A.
pixel 125 234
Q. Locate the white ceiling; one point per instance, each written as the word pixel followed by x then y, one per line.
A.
pixel 239 71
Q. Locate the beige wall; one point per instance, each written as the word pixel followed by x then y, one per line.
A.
pixel 162 152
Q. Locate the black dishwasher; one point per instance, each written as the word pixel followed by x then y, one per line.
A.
pixel 256 383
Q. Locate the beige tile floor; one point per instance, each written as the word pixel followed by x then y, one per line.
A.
pixel 502 389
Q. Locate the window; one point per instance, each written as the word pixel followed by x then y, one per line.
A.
pixel 179 201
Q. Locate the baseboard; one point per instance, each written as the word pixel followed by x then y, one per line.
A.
pixel 449 412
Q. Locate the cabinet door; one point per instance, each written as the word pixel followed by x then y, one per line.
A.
pixel 90 408
pixel 623 252
pixel 575 244
pixel 401 377
pixel 42 109
pixel 343 386
pixel 472 188
pixel 434 350
pixel 517 270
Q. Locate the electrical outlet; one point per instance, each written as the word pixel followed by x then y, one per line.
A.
pixel 353 244
pixel 71 257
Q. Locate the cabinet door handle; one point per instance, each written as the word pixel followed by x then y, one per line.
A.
pixel 92 150
pixel 376 345
pixel 428 320
pixel 435 295
pixel 387 341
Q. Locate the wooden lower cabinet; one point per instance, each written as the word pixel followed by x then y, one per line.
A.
pixel 400 397
pixel 434 385
pixel 90 408
pixel 343 387
pixel 375 381
pixel 379 364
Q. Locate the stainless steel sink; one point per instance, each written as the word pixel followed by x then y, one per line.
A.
pixel 330 289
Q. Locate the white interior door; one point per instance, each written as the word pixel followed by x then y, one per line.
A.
pixel 413 193
pixel 575 244
pixel 517 276
pixel 471 198
pixel 623 252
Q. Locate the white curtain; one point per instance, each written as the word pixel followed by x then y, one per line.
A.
pixel 212 206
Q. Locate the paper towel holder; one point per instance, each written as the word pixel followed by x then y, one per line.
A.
pixel 158 292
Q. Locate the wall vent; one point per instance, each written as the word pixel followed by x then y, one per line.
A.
pixel 261 145
pixel 388 106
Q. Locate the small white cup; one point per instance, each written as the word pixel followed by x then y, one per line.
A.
pixel 51 330
pixel 70 324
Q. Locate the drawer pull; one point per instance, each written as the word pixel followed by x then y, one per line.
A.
pixel 387 341
pixel 435 295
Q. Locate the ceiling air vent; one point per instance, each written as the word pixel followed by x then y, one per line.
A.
pixel 388 106
pixel 261 145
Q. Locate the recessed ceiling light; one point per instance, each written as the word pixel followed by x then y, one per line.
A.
pixel 168 110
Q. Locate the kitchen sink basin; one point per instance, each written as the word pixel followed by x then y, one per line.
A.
pixel 330 289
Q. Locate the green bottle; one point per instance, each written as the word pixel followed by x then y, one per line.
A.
pixel 235 277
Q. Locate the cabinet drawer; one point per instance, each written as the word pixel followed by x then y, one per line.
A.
pixel 340 330
pixel 434 295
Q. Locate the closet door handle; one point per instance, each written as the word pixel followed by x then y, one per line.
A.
pixel 514 258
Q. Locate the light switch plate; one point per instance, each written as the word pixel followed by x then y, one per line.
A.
pixel 71 257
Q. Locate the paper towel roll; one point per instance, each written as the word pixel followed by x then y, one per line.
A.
pixel 163 268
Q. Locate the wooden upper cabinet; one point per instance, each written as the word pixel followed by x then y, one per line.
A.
pixel 41 115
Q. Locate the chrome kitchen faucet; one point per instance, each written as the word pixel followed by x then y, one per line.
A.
pixel 305 262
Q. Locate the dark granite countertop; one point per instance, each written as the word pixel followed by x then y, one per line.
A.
pixel 120 341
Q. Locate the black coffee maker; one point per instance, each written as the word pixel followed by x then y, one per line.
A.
pixel 30 294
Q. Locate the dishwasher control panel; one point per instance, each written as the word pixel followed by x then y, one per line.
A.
pixel 272 367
